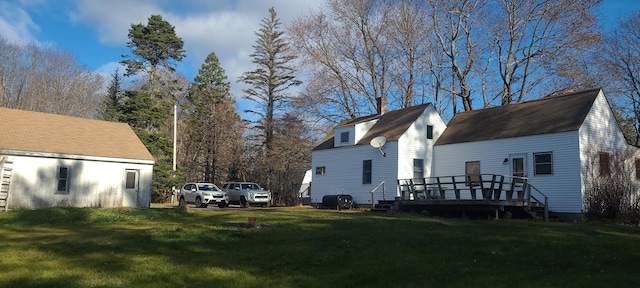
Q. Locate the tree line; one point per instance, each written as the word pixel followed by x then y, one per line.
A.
pixel 459 55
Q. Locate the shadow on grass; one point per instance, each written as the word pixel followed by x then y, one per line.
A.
pixel 305 248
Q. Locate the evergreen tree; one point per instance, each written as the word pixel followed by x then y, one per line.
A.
pixel 269 82
pixel 113 98
pixel 213 126
pixel 154 47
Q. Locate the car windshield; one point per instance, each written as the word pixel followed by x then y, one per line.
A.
pixel 207 187
pixel 250 186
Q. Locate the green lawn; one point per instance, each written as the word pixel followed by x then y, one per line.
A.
pixel 304 247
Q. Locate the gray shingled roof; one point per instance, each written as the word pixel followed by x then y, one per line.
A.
pixel 391 125
pixel 547 115
pixel 38 132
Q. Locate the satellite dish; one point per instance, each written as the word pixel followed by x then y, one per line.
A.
pixel 378 142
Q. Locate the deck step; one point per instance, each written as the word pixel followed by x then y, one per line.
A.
pixel 382 207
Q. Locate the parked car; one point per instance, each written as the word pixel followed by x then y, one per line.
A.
pixel 247 193
pixel 202 194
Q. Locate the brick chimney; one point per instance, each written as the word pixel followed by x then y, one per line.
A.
pixel 381 103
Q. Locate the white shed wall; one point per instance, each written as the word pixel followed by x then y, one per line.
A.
pixel 343 174
pixel 91 183
pixel 563 187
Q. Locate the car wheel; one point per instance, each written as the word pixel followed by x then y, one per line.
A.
pixel 243 202
pixel 181 202
pixel 222 204
pixel 267 205
pixel 198 202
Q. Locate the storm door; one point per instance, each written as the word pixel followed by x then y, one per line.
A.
pixel 518 166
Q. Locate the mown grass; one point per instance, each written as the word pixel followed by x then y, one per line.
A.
pixel 300 247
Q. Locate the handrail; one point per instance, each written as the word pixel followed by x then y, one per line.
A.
pixel 546 200
pixel 384 192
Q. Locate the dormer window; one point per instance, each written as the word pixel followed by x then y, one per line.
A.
pixel 344 137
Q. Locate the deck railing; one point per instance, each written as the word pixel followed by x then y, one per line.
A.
pixel 485 187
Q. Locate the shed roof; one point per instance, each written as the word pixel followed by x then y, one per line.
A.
pixel 547 115
pixel 391 125
pixel 38 132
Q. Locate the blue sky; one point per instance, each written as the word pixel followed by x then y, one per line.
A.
pixel 96 30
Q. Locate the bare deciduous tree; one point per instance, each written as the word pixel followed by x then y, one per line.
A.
pixel 621 58
pixel 531 36
pixel 347 53
pixel 47 79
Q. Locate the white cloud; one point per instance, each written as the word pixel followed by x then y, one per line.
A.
pixel 224 27
pixel 16 25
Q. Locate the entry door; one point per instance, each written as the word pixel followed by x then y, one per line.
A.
pixel 130 197
pixel 518 166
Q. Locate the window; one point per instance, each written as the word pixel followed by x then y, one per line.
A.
pixel 131 180
pixel 638 169
pixel 543 163
pixel 366 172
pixel 344 137
pixel 63 180
pixel 418 168
pixel 320 170
pixel 472 170
pixel 605 169
pixel 429 132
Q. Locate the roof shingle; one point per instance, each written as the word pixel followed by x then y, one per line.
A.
pixel 547 115
pixel 391 125
pixel 50 133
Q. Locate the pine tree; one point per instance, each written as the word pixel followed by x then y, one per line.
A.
pixel 270 81
pixel 154 47
pixel 113 98
pixel 213 126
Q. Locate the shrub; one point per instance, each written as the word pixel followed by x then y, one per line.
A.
pixel 612 194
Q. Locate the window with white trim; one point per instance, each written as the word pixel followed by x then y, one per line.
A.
pixel 543 163
pixel 344 137
pixel 320 170
pixel 63 180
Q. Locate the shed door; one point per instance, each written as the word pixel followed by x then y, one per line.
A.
pixel 130 197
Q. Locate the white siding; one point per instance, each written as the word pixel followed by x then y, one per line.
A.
pixel 91 183
pixel 344 172
pixel 415 145
pixel 362 128
pixel 356 132
pixel 600 132
pixel 562 188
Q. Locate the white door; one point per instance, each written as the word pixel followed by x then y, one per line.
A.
pixel 518 166
pixel 130 197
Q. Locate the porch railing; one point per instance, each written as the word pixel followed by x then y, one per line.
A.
pixel 480 187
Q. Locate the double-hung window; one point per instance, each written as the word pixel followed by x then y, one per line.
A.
pixel 543 163
pixel 63 180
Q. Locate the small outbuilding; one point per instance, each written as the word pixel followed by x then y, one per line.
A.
pixel 53 160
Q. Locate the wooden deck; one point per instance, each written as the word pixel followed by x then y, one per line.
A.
pixel 483 192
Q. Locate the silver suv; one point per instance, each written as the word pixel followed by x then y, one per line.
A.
pixel 202 194
pixel 247 193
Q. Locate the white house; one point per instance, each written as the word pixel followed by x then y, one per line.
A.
pixel 53 160
pixel 346 163
pixel 553 142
